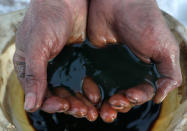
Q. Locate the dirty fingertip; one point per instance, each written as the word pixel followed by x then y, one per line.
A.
pixel 108 114
pixel 77 108
pixel 159 98
pixel 92 115
pixel 119 101
pixel 91 90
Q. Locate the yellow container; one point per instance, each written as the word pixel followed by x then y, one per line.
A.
pixel 173 116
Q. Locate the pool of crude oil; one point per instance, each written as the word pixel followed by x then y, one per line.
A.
pixel 113 68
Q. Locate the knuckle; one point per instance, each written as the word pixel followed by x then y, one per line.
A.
pixel 30 79
pixel 19 68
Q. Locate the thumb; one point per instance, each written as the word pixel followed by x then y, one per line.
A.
pixel 35 81
pixel 168 66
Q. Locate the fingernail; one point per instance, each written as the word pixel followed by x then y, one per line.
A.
pixel 162 98
pixel 118 107
pixel 30 100
pixel 65 108
pixel 132 100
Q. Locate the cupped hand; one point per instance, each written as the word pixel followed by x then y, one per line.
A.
pixel 141 26
pixel 60 100
pixel 47 27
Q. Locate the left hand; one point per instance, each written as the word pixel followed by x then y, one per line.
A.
pixel 141 26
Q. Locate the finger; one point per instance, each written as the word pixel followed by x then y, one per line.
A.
pixel 61 92
pixel 120 103
pixel 55 104
pixel 107 113
pixel 77 107
pixel 92 114
pixel 35 80
pixel 91 90
pixel 139 94
pixel 19 65
pixel 169 67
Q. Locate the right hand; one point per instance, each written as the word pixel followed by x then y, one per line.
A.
pixel 47 27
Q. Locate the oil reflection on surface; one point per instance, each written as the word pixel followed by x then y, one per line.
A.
pixel 113 68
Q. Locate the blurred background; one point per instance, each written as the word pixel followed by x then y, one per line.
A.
pixel 176 8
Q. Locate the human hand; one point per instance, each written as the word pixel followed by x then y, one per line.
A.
pixel 60 100
pixel 141 26
pixel 47 27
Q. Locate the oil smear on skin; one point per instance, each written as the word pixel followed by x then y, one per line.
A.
pixel 113 68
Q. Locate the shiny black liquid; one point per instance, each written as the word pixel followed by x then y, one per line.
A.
pixel 113 68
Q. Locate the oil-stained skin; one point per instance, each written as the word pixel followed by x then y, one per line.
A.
pixel 91 90
pixel 122 102
pixel 62 101
pixel 140 24
pixel 47 27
